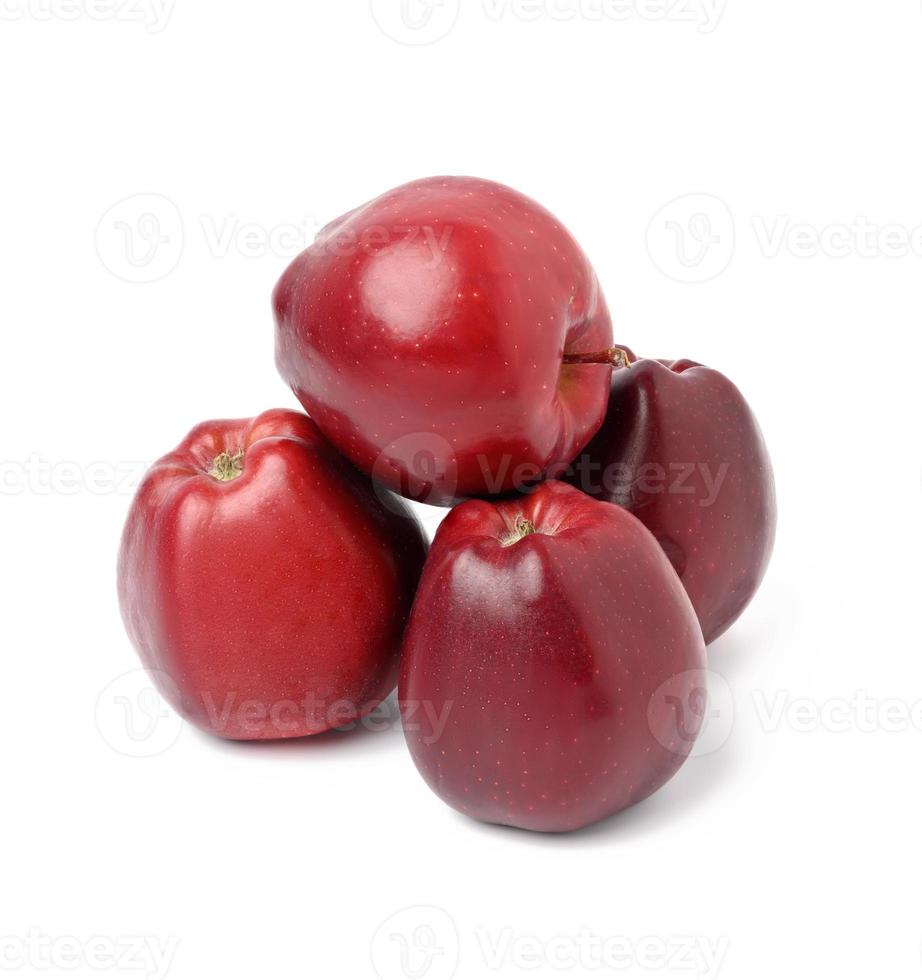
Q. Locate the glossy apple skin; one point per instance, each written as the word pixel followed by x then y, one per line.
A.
pixel 271 605
pixel 684 453
pixel 425 332
pixel 543 683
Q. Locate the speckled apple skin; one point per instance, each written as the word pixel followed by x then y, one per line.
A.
pixel 425 332
pixel 554 664
pixel 689 420
pixel 274 603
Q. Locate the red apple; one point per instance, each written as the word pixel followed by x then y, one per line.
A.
pixel 429 334
pixel 553 667
pixel 682 451
pixel 264 582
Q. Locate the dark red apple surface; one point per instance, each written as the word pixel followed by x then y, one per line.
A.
pixel 264 582
pixel 428 333
pixel 682 451
pixel 553 668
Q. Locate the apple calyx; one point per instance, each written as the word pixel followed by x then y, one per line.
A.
pixel 227 466
pixel 522 528
pixel 615 356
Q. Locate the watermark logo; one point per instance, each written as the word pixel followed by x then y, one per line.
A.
pixel 416 22
pixel 420 464
pixel 141 238
pixel 419 943
pixel 134 717
pixel 692 239
pixel 692 713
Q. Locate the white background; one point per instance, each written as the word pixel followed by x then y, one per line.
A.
pixel 793 846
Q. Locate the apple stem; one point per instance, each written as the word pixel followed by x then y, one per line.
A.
pixel 615 356
pixel 524 527
pixel 227 467
pixel 521 529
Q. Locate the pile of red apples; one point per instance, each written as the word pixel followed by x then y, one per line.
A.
pixel 610 516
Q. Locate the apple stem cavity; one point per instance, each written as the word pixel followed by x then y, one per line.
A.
pixel 227 467
pixel 523 527
pixel 614 355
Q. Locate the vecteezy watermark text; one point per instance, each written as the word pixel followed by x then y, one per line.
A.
pixel 425 941
pixel 422 465
pixel 279 719
pixel 694 238
pixel 68 478
pixel 422 22
pixel 859 238
pixel 587 950
pixel 860 712
pixel 143 238
pixel 148 956
pixel 705 14
pixel 621 481
pixel 137 714
pixel 154 15
pixel 252 240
